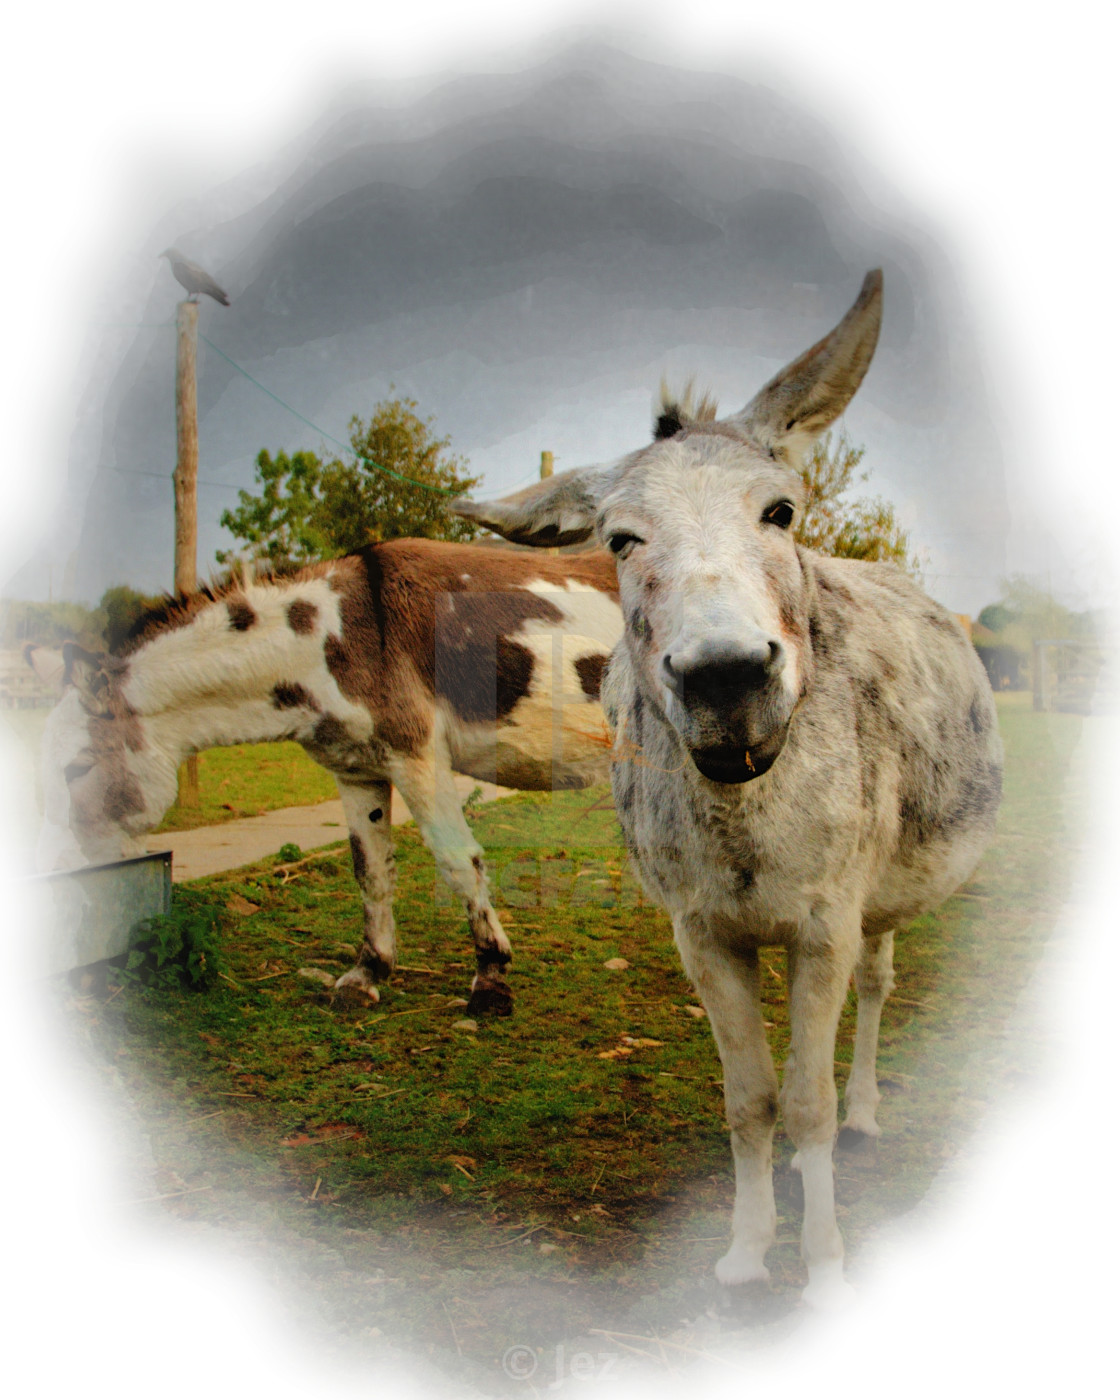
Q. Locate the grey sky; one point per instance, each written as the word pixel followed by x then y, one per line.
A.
pixel 527 254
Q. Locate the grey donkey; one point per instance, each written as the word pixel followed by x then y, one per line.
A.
pixel 805 753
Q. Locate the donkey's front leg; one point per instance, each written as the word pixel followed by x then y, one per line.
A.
pixel 368 814
pixel 818 982
pixel 728 985
pixel 428 786
pixel 874 980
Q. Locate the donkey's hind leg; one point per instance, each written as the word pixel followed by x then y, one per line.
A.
pixel 367 807
pixel 427 784
pixel 874 977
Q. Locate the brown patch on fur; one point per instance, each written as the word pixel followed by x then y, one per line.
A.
pixel 480 673
pixel 414 630
pixel 123 797
pixel 330 733
pixel 241 615
pixel 476 665
pixel 514 676
pixel 180 609
pixel 358 858
pixel 590 669
pixel 290 695
pixel 301 616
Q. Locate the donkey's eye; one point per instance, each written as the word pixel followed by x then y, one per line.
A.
pixel 779 514
pixel 621 543
pixel 73 771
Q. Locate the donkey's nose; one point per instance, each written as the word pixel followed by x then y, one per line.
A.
pixel 721 671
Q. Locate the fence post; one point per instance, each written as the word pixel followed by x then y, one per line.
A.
pixel 186 488
pixel 546 470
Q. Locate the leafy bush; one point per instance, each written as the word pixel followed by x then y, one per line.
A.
pixel 399 483
pixel 831 524
pixel 180 949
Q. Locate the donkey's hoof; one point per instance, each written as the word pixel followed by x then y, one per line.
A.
pixel 854 1138
pixel 490 996
pixel 355 988
pixel 741 1266
pixel 828 1291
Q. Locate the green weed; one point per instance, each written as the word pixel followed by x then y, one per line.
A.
pixel 179 950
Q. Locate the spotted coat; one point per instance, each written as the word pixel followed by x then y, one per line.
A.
pixel 398 666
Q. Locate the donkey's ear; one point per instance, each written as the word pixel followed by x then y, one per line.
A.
pixel 47 664
pixel 558 510
pixel 802 400
pixel 85 671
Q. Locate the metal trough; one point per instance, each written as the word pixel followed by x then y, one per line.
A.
pixel 87 915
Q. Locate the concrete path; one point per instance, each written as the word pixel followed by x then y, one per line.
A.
pixel 208 850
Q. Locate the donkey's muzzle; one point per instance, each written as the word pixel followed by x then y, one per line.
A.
pixel 732 712
pixel 721 674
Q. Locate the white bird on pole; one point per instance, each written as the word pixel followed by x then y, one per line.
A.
pixel 194 278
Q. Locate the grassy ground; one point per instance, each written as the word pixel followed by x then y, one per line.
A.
pixel 248 779
pixel 454 1190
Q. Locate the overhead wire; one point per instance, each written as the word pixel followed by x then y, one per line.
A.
pixel 329 437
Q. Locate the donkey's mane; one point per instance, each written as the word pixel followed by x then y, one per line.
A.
pixel 680 410
pixel 178 609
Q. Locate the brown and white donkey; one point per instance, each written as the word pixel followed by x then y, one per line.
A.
pixel 399 665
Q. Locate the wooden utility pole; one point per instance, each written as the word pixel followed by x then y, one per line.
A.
pixel 546 470
pixel 186 489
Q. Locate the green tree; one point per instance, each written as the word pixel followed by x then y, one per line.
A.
pixel 861 529
pixel 280 524
pixel 399 483
pixel 995 617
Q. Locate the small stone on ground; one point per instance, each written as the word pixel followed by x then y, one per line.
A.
pixel 316 974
